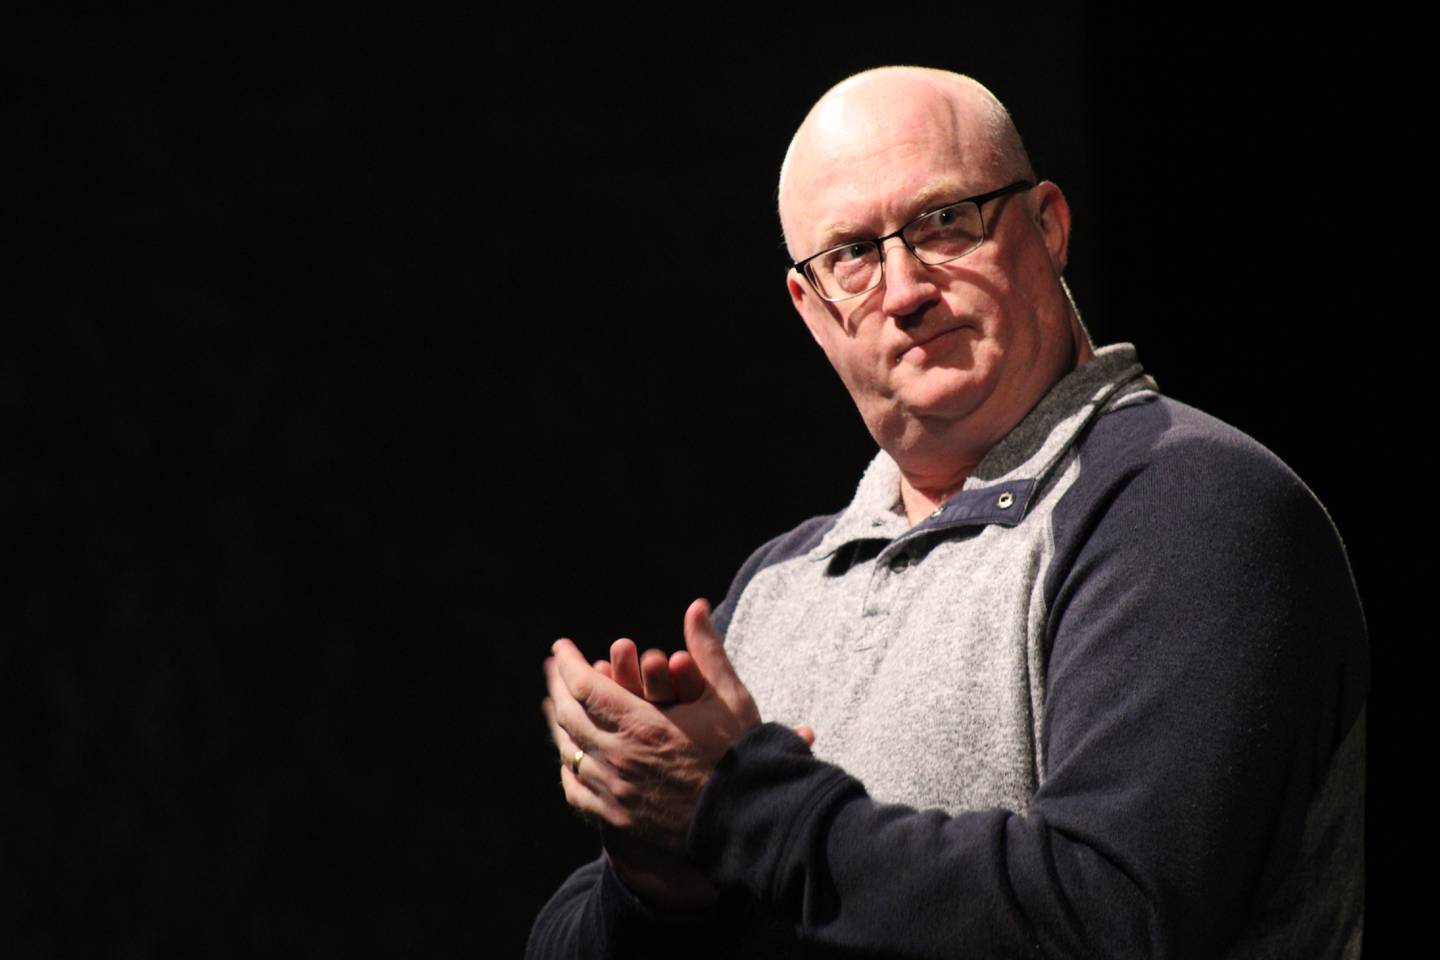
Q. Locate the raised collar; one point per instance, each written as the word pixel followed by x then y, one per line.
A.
pixel 1000 487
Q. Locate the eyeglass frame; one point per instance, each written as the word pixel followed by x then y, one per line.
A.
pixel 979 200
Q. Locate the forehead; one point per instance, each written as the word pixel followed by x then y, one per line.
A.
pixel 866 171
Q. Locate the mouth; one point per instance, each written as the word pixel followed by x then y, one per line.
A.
pixel 920 349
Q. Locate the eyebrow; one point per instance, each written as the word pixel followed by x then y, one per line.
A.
pixel 930 197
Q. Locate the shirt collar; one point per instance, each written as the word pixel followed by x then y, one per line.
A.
pixel 999 488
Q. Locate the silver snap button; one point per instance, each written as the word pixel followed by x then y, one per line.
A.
pixel 900 563
pixel 938 511
pixel 1006 501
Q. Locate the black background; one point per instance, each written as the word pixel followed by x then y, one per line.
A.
pixel 350 361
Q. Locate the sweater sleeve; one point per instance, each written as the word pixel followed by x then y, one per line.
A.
pixel 1207 659
pixel 594 916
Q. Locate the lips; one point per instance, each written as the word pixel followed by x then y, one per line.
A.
pixel 922 346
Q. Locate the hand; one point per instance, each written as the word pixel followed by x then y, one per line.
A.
pixel 645 767
pixel 647 677
pixel 657 678
pixel 650 872
pixel 654 873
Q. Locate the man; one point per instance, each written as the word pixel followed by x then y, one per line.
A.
pixel 1083 668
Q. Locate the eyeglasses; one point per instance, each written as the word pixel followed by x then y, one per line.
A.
pixel 858 266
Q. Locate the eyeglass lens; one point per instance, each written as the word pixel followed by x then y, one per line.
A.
pixel 938 237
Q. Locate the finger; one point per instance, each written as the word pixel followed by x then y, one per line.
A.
pixel 602 699
pixel 595 792
pixel 655 669
pixel 705 645
pixel 567 747
pixel 590 803
pixel 570 715
pixel 547 707
pixel 807 733
pixel 602 667
pixel 626 666
pixel 558 736
pixel 569 752
pixel 590 772
pixel 685 677
pixel 563 743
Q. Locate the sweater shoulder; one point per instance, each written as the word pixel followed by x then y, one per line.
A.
pixel 1206 523
pixel 1183 468
pixel 1170 436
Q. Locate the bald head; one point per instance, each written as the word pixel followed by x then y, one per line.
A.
pixel 944 358
pixel 864 114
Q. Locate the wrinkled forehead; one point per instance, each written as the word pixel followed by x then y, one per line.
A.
pixel 860 163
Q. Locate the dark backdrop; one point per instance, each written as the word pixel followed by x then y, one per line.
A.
pixel 349 362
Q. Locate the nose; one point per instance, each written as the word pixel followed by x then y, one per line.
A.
pixel 910 286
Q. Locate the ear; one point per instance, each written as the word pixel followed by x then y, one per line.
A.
pixel 803 298
pixel 1051 212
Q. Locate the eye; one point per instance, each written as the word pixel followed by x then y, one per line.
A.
pixel 942 219
pixel 948 232
pixel 848 269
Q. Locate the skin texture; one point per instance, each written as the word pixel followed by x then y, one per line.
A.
pixel 648 868
pixel 653 676
pixel 644 767
pixel 942 362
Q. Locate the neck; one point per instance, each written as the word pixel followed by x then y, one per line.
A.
pixel 923 495
pixel 932 473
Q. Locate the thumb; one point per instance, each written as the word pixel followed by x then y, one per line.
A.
pixel 706 646
pixel 807 733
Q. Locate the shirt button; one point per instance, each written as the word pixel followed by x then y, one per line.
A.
pixel 938 511
pixel 1007 499
pixel 900 563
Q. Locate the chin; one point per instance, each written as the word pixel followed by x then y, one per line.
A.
pixel 953 396
pixel 917 423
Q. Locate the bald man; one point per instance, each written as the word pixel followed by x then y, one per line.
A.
pixel 1080 671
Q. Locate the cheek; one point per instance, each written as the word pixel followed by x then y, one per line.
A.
pixel 853 358
pixel 869 372
pixel 1016 320
pixel 858 378
pixel 864 381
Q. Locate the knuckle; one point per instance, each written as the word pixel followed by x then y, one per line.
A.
pixel 582 688
pixel 627 766
pixel 649 735
pixel 565 720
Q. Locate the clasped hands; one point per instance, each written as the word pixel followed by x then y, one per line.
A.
pixel 652 730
